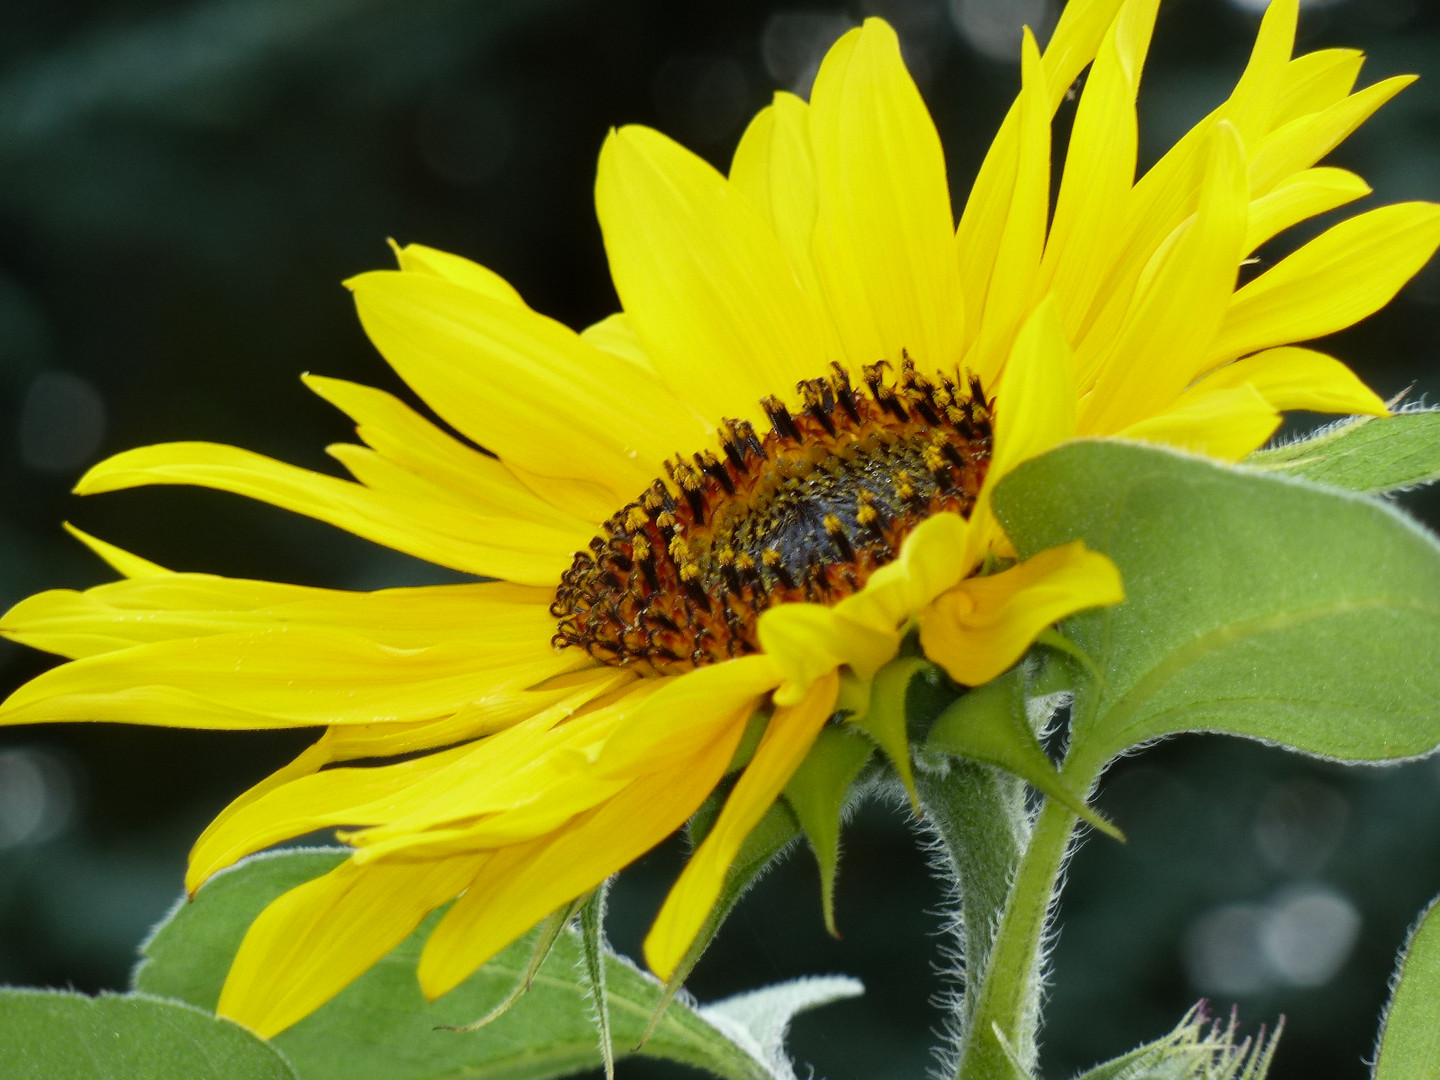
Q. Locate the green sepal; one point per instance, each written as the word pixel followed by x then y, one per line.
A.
pixel 774 833
pixel 885 721
pixel 1409 1045
pixel 989 724
pixel 546 935
pixel 592 947
pixel 1198 1049
pixel 817 793
pixel 1365 453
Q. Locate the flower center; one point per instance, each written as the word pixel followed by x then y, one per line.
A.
pixel 678 578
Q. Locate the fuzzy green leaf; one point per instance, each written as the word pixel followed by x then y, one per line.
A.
pixel 1365 453
pixel 57 1035
pixel 382 1027
pixel 1255 605
pixel 1410 1035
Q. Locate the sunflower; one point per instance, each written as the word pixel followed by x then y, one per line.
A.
pixel 845 374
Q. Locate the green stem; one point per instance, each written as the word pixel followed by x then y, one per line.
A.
pixel 1008 1005
pixel 979 815
pixel 1010 996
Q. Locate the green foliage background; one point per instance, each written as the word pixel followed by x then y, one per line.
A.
pixel 183 183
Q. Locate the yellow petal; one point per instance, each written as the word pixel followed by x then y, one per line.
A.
pixel 300 798
pixel 1295 378
pixel 436 531
pixel 787 739
pixel 1348 272
pixel 685 713
pixel 419 259
pixel 522 385
pixel 775 169
pixel 166 606
pixel 404 437
pixel 1252 103
pixel 118 559
pixel 523 884
pixel 1303 195
pixel 1305 140
pixel 286 677
pixel 1008 290
pixel 1073 43
pixel 1180 303
pixel 1226 424
pixel 1035 403
pixel 981 627
pixel 1099 167
pixel 1316 81
pixel 319 937
pixel 702 278
pixel 883 240
pixel 616 335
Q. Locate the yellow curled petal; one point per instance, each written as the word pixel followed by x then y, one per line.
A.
pixel 932 558
pixel 787 739
pixel 807 641
pixel 981 627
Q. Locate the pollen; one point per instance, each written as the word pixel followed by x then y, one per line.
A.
pixel 678 578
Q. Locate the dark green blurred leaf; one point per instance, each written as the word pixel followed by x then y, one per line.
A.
pixel 1255 606
pixel 381 1026
pixel 53 1035
pixel 1410 1035
pixel 1367 453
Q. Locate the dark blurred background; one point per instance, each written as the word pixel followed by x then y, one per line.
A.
pixel 183 185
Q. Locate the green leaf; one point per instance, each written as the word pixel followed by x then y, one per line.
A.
pixel 817 794
pixel 1366 453
pixel 381 1026
pixel 56 1035
pixel 1410 1032
pixel 1255 605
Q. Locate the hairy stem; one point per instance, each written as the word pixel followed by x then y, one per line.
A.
pixel 1006 1004
pixel 978 813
